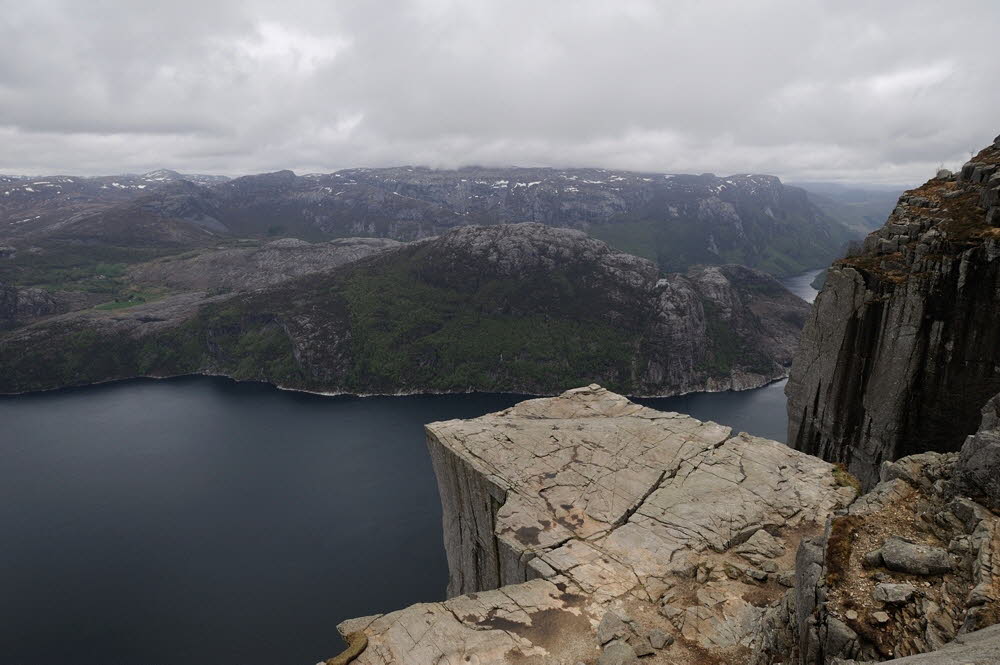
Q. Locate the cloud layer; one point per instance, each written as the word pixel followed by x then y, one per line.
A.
pixel 805 89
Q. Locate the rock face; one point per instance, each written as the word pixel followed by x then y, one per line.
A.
pixel 521 308
pixel 901 349
pixel 586 528
pixel 20 305
pixel 978 469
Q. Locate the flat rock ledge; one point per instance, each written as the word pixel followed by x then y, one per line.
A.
pixel 585 528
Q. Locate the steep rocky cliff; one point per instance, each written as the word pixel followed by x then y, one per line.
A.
pixel 901 349
pixel 525 308
pixel 588 529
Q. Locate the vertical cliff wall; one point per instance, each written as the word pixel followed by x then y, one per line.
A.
pixel 478 560
pixel 902 348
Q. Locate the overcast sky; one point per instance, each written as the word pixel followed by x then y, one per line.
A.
pixel 840 90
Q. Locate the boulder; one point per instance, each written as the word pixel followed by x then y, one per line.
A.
pixel 618 653
pixel 968 169
pixel 641 645
pixel 610 628
pixel 893 594
pixel 761 545
pixel 659 639
pixel 916 559
pixel 873 559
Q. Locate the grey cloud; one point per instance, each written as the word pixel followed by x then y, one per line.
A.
pixel 805 89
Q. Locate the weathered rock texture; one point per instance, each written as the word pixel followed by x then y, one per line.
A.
pixel 978 471
pixel 979 648
pixel 560 510
pixel 909 567
pixel 901 349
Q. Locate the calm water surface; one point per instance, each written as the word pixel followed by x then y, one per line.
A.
pixel 801 284
pixel 197 520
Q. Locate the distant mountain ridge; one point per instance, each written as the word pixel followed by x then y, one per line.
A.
pixel 676 220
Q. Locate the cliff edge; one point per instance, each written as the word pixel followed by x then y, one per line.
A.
pixel 584 527
pixel 901 349
pixel 588 529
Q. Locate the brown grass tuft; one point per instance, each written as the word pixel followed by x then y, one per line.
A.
pixel 839 548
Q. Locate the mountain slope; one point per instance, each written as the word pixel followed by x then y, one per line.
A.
pixel 522 307
pixel 676 220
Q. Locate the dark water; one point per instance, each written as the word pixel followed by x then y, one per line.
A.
pixel 197 520
pixel 760 412
pixel 801 285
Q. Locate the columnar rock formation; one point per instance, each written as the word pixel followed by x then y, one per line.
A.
pixel 586 521
pixel 902 349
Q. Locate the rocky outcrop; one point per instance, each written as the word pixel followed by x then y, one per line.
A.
pixel 978 471
pixel 906 569
pixel 901 349
pixel 979 648
pixel 587 528
pixel 20 305
pixel 521 308
pixel 244 269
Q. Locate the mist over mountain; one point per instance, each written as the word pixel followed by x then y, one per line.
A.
pixel 862 208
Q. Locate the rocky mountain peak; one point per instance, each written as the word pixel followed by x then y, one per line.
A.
pixel 509 249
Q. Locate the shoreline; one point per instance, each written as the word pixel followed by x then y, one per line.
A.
pixel 402 393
